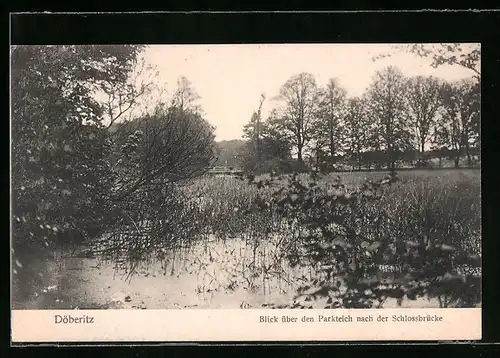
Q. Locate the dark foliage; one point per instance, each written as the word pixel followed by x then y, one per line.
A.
pixel 341 238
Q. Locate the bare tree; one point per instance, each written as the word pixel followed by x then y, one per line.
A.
pixel 300 97
pixel 423 103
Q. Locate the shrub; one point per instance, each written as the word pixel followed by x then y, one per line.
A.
pixel 279 166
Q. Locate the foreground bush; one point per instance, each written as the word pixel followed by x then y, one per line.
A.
pixel 278 166
pixel 61 178
pixel 349 236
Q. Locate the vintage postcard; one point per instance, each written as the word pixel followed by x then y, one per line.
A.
pixel 258 192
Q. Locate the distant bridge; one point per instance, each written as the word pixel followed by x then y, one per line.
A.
pixel 224 171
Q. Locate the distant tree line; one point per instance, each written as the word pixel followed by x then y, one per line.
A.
pixel 398 121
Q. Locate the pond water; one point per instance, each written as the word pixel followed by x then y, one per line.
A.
pixel 211 275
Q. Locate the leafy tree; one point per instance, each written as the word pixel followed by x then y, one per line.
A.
pixel 465 55
pixel 231 152
pixel 121 99
pixel 460 127
pixel 254 130
pixel 357 129
pixel 58 142
pixel 331 112
pixel 387 106
pixel 423 103
pixel 299 112
pixel 274 146
pixel 61 177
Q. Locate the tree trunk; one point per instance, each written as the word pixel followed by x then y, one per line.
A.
pixel 389 157
pixel 317 160
pixel 457 159
pixel 299 153
pixel 467 151
pixel 422 152
pixel 332 150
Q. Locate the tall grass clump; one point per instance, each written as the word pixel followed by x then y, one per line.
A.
pixel 436 213
pixel 445 210
pixel 225 205
pixel 151 227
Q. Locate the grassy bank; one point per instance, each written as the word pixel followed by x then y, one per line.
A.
pixel 444 203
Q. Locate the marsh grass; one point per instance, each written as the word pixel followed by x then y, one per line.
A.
pixel 442 206
pixel 445 208
pixel 254 255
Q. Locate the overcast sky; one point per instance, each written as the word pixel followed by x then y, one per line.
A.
pixel 230 78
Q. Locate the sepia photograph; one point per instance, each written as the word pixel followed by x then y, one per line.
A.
pixel 246 176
